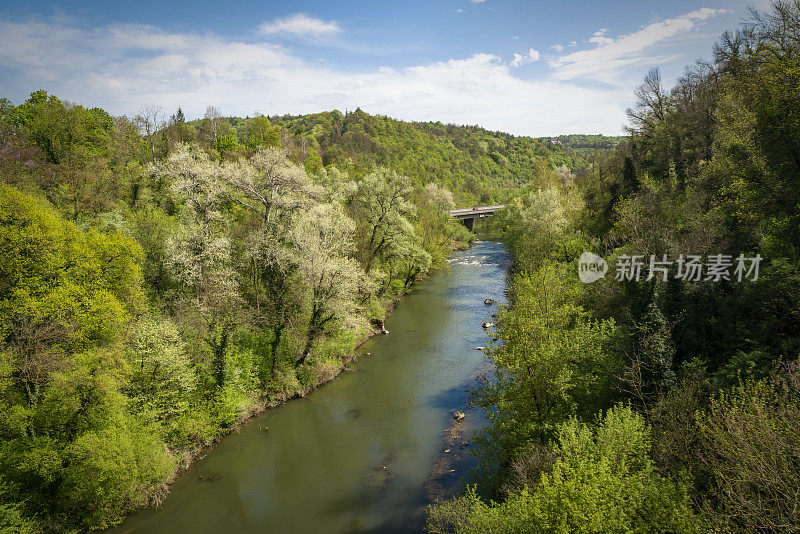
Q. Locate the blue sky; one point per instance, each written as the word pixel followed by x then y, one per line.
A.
pixel 530 68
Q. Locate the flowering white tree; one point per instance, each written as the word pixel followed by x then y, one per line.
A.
pixel 322 240
pixel 269 183
pixel 198 253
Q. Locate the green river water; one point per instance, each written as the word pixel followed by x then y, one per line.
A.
pixel 354 455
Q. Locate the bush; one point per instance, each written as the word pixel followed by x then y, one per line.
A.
pixel 601 481
pixel 751 449
pixel 112 471
pixel 162 378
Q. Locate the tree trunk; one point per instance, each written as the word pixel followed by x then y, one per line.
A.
pixel 274 350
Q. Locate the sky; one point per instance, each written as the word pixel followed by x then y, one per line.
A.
pixel 538 68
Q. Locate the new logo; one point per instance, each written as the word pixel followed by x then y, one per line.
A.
pixel 591 267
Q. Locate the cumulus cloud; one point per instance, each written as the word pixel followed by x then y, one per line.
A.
pixel 123 67
pixel 557 47
pixel 612 56
pixel 300 25
pixel 521 59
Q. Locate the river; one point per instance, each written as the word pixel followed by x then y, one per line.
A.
pixel 354 455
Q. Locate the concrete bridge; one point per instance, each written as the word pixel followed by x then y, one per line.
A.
pixel 468 215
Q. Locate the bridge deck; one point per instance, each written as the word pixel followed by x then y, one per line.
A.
pixel 479 211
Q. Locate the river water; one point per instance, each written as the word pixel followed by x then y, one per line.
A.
pixel 354 455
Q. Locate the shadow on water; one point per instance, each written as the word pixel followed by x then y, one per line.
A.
pixel 358 454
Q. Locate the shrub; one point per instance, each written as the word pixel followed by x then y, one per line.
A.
pixel 602 481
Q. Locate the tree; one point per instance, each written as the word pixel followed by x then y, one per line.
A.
pixel 383 209
pixel 555 362
pixel 750 449
pixel 177 129
pixel 629 179
pixel 541 227
pixel 322 239
pixel 438 229
pixel 274 272
pixel 261 133
pixel 212 124
pixel 199 252
pixel 269 183
pixel 601 481
pixel 227 144
pixel 161 378
pixel 62 290
pixel 149 122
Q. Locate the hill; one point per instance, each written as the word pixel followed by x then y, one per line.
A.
pixel 478 165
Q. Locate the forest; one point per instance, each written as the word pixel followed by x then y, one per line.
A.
pixel 161 280
pixel 664 403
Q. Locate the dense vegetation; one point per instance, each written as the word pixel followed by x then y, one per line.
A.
pixel 586 146
pixel 479 166
pixel 665 404
pixel 160 281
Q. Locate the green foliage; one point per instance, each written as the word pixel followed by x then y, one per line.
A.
pixel 260 132
pixel 454 157
pixel 161 378
pixel 111 471
pixel 541 227
pixel 709 167
pixel 59 128
pixel 12 521
pixel 555 362
pixel 749 449
pixel 159 280
pixel 227 143
pixel 65 290
pixel 601 481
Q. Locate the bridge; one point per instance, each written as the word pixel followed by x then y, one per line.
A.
pixel 468 215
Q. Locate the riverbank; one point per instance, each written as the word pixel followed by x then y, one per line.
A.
pixel 323 375
pixel 275 399
pixel 454 458
pixel 356 452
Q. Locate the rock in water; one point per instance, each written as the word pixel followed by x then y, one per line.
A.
pixel 488 302
pixel 458 415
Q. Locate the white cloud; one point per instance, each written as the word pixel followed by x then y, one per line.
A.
pixel 477 1
pixel 599 37
pixel 521 59
pixel 515 37
pixel 459 10
pixel 612 56
pixel 557 47
pixel 123 67
pixel 300 25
